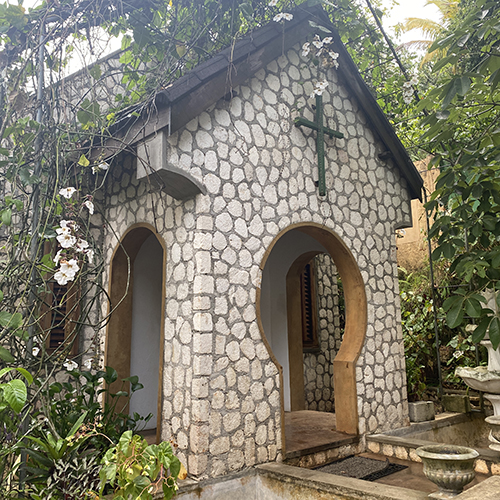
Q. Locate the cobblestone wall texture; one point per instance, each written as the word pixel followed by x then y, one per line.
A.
pixel 221 389
pixel 318 365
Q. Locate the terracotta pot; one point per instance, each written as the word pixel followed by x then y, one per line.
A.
pixel 450 467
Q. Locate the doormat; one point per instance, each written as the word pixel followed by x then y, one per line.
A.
pixel 367 469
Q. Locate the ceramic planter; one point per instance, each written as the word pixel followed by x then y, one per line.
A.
pixel 450 467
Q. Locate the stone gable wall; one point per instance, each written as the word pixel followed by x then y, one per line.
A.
pixel 221 389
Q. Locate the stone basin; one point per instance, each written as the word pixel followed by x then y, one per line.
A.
pixel 480 378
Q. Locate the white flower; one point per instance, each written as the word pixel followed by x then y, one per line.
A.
pixel 66 223
pixel 306 49
pixel 70 365
pixel 70 266
pixel 67 192
pixel 57 257
pixel 282 16
pixel 100 166
pixel 90 255
pixel 88 364
pixel 35 351
pixel 333 55
pixel 319 88
pixel 67 271
pixel 63 230
pixel 458 354
pixel 90 206
pixel 328 40
pixel 273 3
pixel 66 240
pixel 62 278
pixel 317 43
pixel 81 245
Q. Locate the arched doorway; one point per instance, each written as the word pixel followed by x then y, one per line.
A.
pixel 134 340
pixel 281 265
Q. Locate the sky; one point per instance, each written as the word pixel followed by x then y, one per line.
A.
pixel 410 8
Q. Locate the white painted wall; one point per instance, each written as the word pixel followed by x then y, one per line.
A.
pixel 146 327
pixel 273 296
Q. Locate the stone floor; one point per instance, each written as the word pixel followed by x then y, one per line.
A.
pixel 310 431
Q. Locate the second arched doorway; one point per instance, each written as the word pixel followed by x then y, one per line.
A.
pixel 282 321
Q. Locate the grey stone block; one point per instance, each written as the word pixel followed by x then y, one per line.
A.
pixel 455 403
pixel 421 411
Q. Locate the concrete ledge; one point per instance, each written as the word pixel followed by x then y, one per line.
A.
pixel 440 421
pixel 489 489
pixel 342 487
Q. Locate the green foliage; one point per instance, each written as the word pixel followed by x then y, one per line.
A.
pixel 463 127
pixel 88 393
pixel 71 478
pixel 417 319
pixel 13 393
pixel 137 470
pixel 73 430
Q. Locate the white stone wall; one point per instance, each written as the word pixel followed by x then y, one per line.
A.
pixel 318 366
pixel 221 388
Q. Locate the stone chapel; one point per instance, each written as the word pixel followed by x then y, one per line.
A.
pixel 234 318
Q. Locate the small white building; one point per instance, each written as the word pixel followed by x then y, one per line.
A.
pixel 232 315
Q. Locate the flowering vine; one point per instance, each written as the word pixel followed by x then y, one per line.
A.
pixel 282 16
pixel 321 49
pixel 73 247
pixel 408 89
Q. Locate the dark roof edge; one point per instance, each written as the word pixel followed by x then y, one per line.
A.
pixel 256 44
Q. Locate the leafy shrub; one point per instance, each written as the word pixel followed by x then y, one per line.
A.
pixel 87 392
pixel 137 470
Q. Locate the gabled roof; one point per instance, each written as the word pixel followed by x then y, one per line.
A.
pixel 203 86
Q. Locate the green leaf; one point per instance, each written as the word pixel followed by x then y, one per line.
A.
pixel 318 26
pixel 6 356
pixel 15 393
pixel 77 424
pixel 494 332
pixel 83 161
pixel 455 315
pixel 448 303
pixel 448 250
pixel 480 330
pixel 442 114
pixel 95 72
pixel 6 216
pixel 473 307
pixel 463 40
pixel 111 375
pixel 8 320
pixel 247 11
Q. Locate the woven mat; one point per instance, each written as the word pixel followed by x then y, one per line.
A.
pixel 361 468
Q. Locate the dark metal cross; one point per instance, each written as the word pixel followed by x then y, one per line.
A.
pixel 320 140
